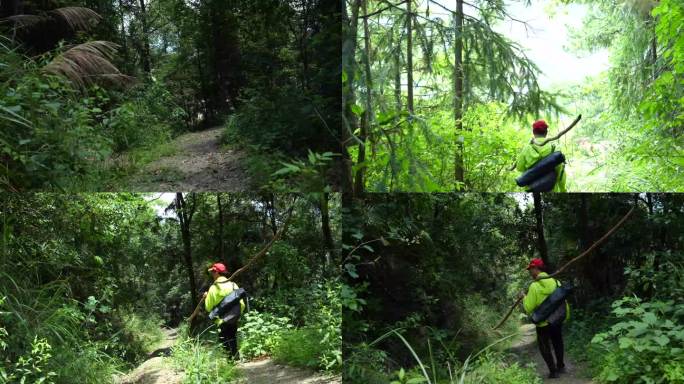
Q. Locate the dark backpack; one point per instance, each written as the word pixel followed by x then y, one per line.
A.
pixel 553 308
pixel 541 177
pixel 229 309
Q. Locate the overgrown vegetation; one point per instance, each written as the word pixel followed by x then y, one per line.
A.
pixel 87 87
pixel 429 275
pixel 88 280
pixel 201 360
pixel 438 97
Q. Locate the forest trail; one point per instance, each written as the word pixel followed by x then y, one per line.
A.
pixel 199 163
pixel 266 371
pixel 526 350
pixel 155 370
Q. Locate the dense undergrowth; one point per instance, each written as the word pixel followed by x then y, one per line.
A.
pixel 303 329
pixel 201 360
pixel 640 340
pixel 56 136
pixel 428 276
pixel 89 280
pixel 426 124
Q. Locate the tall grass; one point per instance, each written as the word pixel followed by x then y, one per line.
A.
pixel 484 366
pixel 202 361
pixel 45 316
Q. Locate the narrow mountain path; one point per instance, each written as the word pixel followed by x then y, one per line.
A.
pixel 199 163
pixel 266 371
pixel 158 370
pixel 526 350
pixel 155 370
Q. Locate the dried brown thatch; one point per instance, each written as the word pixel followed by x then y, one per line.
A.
pixel 78 18
pixel 85 63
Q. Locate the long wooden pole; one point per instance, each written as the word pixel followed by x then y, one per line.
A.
pixel 253 259
pixel 561 133
pixel 566 265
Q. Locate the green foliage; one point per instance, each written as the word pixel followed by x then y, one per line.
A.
pixel 664 280
pixel 319 344
pixel 260 332
pixel 49 135
pixel 491 143
pixel 314 343
pixel 302 347
pixel 306 175
pixel 96 276
pixel 146 119
pixel 54 136
pixel 408 254
pixel 139 333
pixel 416 150
pixel 645 345
pixel 492 368
pixel 367 365
pixel 202 362
pixel 31 368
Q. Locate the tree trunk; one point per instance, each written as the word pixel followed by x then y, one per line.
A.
pixel 220 229
pixel 185 213
pixel 409 56
pixel 348 97
pixel 539 216
pixel 366 123
pixel 325 226
pixel 124 44
pixel 397 79
pixel 145 53
pixel 458 91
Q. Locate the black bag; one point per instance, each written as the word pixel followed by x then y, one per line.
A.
pixel 229 309
pixel 544 183
pixel 553 307
pixel 540 168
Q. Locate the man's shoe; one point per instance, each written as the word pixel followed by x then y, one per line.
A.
pixel 561 369
pixel 553 375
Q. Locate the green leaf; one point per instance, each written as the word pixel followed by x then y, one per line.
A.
pixel 357 109
pixel 662 340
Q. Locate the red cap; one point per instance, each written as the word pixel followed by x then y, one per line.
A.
pixel 218 267
pixel 538 263
pixel 539 127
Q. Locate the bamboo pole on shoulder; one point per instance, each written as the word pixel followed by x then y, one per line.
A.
pixel 253 259
pixel 566 265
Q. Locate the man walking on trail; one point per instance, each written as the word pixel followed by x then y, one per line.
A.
pixel 549 332
pixel 532 153
pixel 213 297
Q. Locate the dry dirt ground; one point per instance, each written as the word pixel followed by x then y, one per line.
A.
pixel 198 164
pixel 267 372
pixel 156 370
pixel 526 349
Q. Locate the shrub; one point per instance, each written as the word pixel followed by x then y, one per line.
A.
pixel 493 368
pixel 147 118
pixel 645 346
pixel 260 332
pixel 310 347
pixel 202 363
pixel 282 118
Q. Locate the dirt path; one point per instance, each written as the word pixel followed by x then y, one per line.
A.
pixel 526 349
pixel 156 370
pixel 198 164
pixel 268 372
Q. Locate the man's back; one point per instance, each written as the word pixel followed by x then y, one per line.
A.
pixel 532 153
